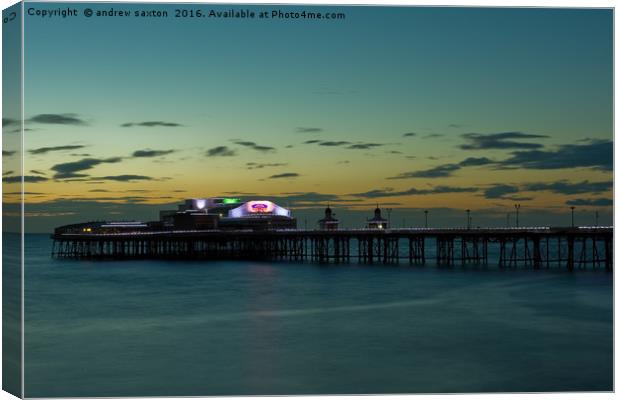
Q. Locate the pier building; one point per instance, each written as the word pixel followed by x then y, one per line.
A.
pixel 105 227
pixel 201 214
pixel 330 222
pixel 258 215
pixel 191 213
pixel 377 222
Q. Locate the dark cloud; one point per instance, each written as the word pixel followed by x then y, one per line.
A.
pixel 5 173
pixel 390 192
pixel 220 151
pixel 309 130
pixel 9 121
pixel 331 144
pixel 263 148
pixel 44 150
pixel 73 177
pixel 7 153
pixel 70 169
pixel 37 172
pixel 565 187
pixel 409 134
pixel 433 135
pixel 253 165
pixel 597 154
pixel 289 146
pixel 285 175
pixel 151 153
pixel 440 171
pixel 99 191
pixel 501 140
pixel 444 170
pixel 394 152
pixel 600 202
pixel 349 145
pixel 18 130
pixel 245 143
pixel 57 119
pixel 27 179
pixel 455 126
pixel 499 191
pixel 254 146
pixel 124 178
pixel 476 161
pixel 151 124
pixel 364 146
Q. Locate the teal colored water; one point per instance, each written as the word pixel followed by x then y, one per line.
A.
pixel 134 328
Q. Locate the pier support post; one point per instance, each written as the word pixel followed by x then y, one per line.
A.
pixel 570 262
pixel 536 244
pixel 608 253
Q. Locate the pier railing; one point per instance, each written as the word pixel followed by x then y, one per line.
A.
pixel 535 247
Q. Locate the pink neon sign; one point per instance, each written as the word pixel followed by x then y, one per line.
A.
pixel 259 206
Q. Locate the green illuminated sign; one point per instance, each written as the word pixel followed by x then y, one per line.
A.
pixel 230 201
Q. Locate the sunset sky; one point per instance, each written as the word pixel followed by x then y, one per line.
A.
pixel 413 108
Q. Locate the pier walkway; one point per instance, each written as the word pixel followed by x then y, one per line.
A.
pixel 535 247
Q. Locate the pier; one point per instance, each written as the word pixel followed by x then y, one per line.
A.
pixel 538 247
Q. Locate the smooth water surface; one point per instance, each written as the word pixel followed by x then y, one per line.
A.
pixel 133 328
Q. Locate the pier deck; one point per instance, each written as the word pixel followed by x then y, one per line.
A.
pixel 538 247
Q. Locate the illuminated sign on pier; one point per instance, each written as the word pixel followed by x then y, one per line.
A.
pixel 258 207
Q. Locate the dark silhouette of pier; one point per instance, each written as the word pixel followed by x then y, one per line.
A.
pixel 538 247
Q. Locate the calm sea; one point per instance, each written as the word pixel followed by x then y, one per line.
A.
pixel 137 328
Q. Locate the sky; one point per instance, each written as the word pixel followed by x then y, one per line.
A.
pixel 411 108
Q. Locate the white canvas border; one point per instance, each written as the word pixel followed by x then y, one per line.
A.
pixel 478 3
